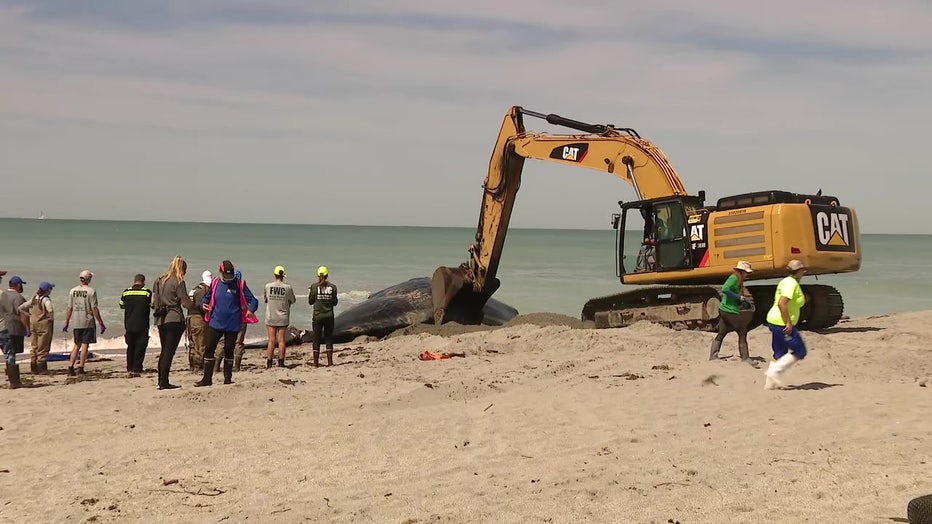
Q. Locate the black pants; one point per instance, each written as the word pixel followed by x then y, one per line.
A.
pixel 728 322
pixel 136 343
pixel 212 338
pixel 170 337
pixel 323 327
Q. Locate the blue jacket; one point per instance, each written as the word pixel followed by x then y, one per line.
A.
pixel 226 314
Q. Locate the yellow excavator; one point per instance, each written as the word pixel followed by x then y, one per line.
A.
pixel 687 249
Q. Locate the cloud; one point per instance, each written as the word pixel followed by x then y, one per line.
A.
pixel 391 108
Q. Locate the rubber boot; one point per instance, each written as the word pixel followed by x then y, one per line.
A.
pixel 281 362
pixel 12 373
pixel 164 370
pixel 70 371
pixel 228 371
pixel 268 363
pixel 208 379
pixel 237 361
pixel 317 358
pixel 776 369
pixel 745 356
pixel 219 362
pixel 42 368
pixel 716 346
pixel 33 367
pixel 329 357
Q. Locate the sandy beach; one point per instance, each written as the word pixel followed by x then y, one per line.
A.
pixel 537 423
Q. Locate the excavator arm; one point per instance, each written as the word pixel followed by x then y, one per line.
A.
pixel 464 290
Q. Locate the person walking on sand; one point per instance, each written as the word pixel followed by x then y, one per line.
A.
pixel 227 306
pixel 136 301
pixel 323 296
pixel 788 345
pixel 195 323
pixel 278 297
pixel 168 298
pixel 733 313
pixel 41 323
pixel 15 328
pixel 82 304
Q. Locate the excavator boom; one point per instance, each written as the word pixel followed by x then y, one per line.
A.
pixel 603 147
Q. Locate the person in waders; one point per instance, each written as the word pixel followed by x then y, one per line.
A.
pixel 733 313
pixel 227 306
pixel 788 345
pixel 323 297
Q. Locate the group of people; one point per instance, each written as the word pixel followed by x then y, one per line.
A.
pixel 220 308
pixel 737 308
pixel 217 308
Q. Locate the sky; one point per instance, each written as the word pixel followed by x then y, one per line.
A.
pixel 378 112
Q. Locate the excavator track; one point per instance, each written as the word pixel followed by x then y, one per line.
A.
pixel 677 307
pixel 696 307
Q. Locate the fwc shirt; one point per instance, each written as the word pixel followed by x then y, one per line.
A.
pixel 82 300
pixel 279 297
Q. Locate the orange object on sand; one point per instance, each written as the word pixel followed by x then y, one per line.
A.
pixel 428 355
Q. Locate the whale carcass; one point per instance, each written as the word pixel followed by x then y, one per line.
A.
pixel 402 305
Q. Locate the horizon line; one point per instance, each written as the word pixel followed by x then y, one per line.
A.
pixel 338 225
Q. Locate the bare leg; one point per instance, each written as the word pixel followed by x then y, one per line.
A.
pixel 280 333
pixel 272 331
pixel 84 351
pixel 74 355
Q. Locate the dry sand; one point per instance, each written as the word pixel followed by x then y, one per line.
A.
pixel 535 424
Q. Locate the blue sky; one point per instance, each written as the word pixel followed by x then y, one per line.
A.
pixel 376 112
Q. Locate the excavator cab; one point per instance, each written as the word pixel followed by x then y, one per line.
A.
pixel 660 238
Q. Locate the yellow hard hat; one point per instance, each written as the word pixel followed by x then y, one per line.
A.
pixel 279 270
pixel 322 271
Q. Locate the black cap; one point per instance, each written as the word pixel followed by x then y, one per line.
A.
pixel 226 269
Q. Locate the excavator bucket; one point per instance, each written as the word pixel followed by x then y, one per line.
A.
pixel 454 299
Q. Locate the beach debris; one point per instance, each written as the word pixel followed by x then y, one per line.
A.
pixel 661 367
pixel 710 380
pixel 429 355
pixel 89 502
pixel 288 381
pixel 389 494
pixel 169 482
pixel 4 471
pixel 487 407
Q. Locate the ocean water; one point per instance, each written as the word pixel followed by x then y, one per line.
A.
pixel 541 270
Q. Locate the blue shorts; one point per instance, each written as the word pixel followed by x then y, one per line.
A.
pixel 85 335
pixel 783 343
pixel 11 345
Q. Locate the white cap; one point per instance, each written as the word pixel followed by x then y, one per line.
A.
pixel 743 266
pixel 206 277
pixel 795 265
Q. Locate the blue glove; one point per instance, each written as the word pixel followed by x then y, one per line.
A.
pixel 102 328
pixel 65 327
pixel 28 333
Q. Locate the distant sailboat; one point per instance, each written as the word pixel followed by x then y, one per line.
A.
pixel 41 215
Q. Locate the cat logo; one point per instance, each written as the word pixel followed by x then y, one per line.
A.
pixel 697 233
pixel 570 152
pixel 833 230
